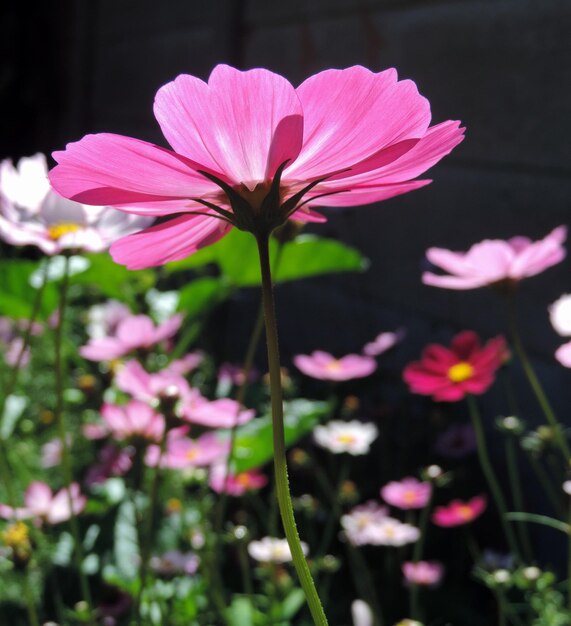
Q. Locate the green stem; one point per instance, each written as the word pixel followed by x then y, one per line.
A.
pixel 515 487
pixel 280 464
pixel 417 556
pixel 490 474
pixel 554 497
pixel 30 604
pixel 535 384
pixel 364 582
pixel 59 418
pixel 335 515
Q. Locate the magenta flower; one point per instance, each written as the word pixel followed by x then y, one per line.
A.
pixel 182 452
pixel 325 366
pixel 135 420
pixel 41 505
pixel 458 512
pixel 248 140
pixel 449 374
pixel 560 315
pixel 423 573
pixel 495 261
pixel 382 343
pixel 31 213
pixel 408 493
pixel 132 333
pixel 235 484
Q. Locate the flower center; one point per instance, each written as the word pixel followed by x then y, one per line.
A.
pixel 192 454
pixel 257 195
pixel 57 231
pixel 346 439
pixel 465 512
pixel 409 496
pixel 460 372
pixel 16 535
pixel 243 480
pixel 333 366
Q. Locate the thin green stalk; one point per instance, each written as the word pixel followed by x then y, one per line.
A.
pixel 515 488
pixel 30 604
pixel 245 569
pixel 490 474
pixel 364 582
pixel 417 556
pixel 535 384
pixel 280 463
pixel 335 515
pixel 547 486
pixel 59 419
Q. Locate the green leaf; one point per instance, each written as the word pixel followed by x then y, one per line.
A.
pixel 13 410
pixel 293 603
pixel 126 544
pixel 241 612
pixel 254 446
pixel 200 295
pixel 17 295
pixel 540 519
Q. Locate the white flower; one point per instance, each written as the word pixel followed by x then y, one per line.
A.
pixel 358 523
pixel 560 315
pixel 31 213
pixel 353 437
pixel 272 550
pixel 362 614
pixel 392 532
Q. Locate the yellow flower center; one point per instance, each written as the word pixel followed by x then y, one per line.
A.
pixel 57 231
pixel 174 505
pixel 192 454
pixel 243 480
pixel 334 366
pixel 346 439
pixel 460 372
pixel 409 496
pixel 16 535
pixel 465 512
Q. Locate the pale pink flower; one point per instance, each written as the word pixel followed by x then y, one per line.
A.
pixel 423 573
pixel 103 319
pixel 14 350
pixel 457 512
pixel 392 532
pixel 233 374
pixel 359 522
pixel 408 493
pixel 113 461
pixel 272 550
pixel 560 315
pixel 175 562
pixel 221 413
pixel 133 379
pixel 244 133
pixel 382 343
pixel 42 505
pixel 353 437
pixel 31 213
pixel 132 332
pixel 494 260
pixel 235 484
pixel 135 420
pixel 52 452
pixel 182 452
pixel 185 364
pixel 325 366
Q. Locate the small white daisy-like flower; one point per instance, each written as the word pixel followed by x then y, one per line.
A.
pixel 272 550
pixel 353 437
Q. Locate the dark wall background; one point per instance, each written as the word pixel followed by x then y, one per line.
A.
pixel 502 66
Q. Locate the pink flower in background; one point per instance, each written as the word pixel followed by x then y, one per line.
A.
pixel 458 512
pixel 423 573
pixel 222 413
pixel 31 213
pixel 449 374
pixel 392 532
pixel 113 461
pixel 133 379
pixel 42 505
pixel 182 452
pixel 52 452
pixel 325 366
pixel 132 333
pixel 353 437
pixel 235 484
pixel 233 374
pixel 382 343
pixel 495 260
pixel 560 315
pixel 235 136
pixel 135 420
pixel 408 493
pixel 360 521
pixel 456 442
pixel 10 330
pixel 103 319
pixel 185 364
pixel 175 562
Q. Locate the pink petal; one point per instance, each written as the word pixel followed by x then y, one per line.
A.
pixel 38 497
pixel 465 344
pixel 453 282
pixel 170 241
pixel 134 380
pixel 351 114
pixel 168 328
pixel 107 169
pixel 104 349
pixel 135 331
pixel 563 354
pixel 245 124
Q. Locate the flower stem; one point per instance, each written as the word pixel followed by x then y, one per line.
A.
pixel 417 556
pixel 515 488
pixel 59 419
pixel 280 464
pixel 30 604
pixel 490 474
pixel 535 384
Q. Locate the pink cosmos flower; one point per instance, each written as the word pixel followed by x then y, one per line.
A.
pixel 233 374
pixel 185 364
pixel 458 512
pixel 423 573
pixel 113 461
pixel 449 374
pixel 243 134
pixel 41 505
pixel 382 343
pixel 235 484
pixel 325 366
pixel 560 314
pixel 52 452
pixel 103 319
pixel 132 332
pixel 133 379
pixel 353 437
pixel 221 413
pixel 135 420
pixel 409 493
pixel 359 523
pixel 494 261
pixel 31 213
pixel 182 452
